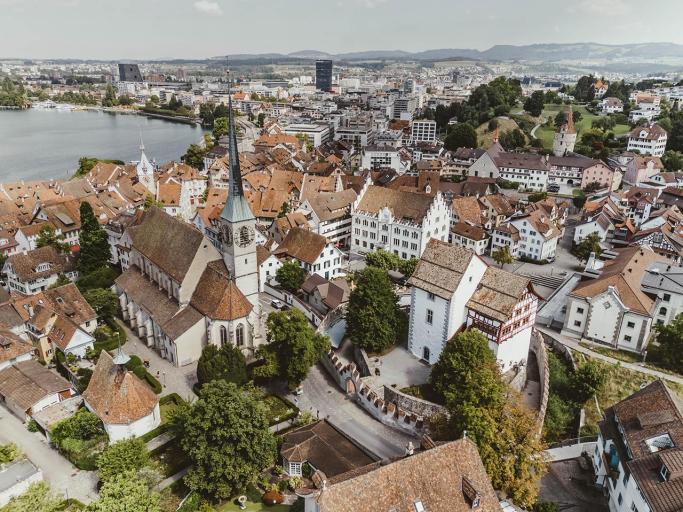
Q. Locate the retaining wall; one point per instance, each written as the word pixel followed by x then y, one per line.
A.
pixel 412 404
pixel 349 379
pixel 538 347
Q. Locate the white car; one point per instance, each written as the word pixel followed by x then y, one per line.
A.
pixel 277 304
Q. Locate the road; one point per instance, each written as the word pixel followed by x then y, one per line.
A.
pixel 322 395
pixel 63 477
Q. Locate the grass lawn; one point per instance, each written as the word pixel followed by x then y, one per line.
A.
pixel 546 133
pixel 485 137
pixel 279 409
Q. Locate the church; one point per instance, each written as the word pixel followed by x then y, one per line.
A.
pixel 179 292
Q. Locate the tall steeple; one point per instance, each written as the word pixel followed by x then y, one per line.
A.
pixel 236 208
pixel 238 224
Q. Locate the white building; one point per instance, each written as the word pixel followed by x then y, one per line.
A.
pixel 268 265
pixel 647 140
pixel 637 456
pixel 565 137
pixel 665 282
pixel 317 134
pixel 611 105
pixel 35 271
pixel 126 405
pixel 539 236
pixel 423 131
pixel 599 224
pixel 454 288
pixel 313 252
pixel 397 221
pixel 613 309
pixel 529 170
pixel 470 237
pixel 329 214
pixel 380 157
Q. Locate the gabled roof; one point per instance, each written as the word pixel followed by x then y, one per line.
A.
pixel 301 244
pixel 217 296
pixel 12 346
pixel 498 293
pixel 169 243
pixel 28 382
pixel 403 205
pixel 440 478
pixel 25 265
pixel 441 268
pixel 116 395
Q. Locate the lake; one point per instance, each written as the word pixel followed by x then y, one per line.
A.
pixel 43 144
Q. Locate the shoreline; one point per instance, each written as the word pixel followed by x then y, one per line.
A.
pixel 118 110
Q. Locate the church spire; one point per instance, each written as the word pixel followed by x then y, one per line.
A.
pixel 236 207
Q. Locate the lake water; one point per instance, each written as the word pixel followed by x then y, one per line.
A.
pixel 43 144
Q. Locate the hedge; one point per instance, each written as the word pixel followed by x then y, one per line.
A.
pixel 138 368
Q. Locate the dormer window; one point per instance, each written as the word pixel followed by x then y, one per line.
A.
pixel 664 473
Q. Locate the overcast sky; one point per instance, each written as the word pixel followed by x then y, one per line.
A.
pixel 139 29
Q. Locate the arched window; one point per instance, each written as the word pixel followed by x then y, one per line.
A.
pixel 662 311
pixel 239 335
pixel 224 335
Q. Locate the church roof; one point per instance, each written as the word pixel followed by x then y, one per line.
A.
pixel 236 208
pixel 217 296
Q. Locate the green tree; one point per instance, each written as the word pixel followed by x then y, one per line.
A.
pixel 372 315
pixel 297 345
pixel 538 196
pixel 590 244
pixel 62 280
pixel 669 348
pixel 225 435
pixel 150 201
pixel 675 136
pixel 83 426
pixel 509 90
pixel 462 135
pixel 290 276
pixel 584 90
pixel 673 160
pixel 534 103
pixel 260 120
pixel 220 127
pixel 513 139
pixel 225 363
pixel 407 267
pixel 502 256
pixel 37 498
pixel 94 244
pixel 579 199
pixel 103 301
pixel 109 96
pixel 382 259
pixel 126 491
pixel 48 237
pixel 284 210
pixel 9 453
pixel 546 506
pixel 194 156
pixel 588 380
pixel 122 456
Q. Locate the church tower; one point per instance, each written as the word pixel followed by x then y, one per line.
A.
pixel 145 171
pixel 565 136
pixel 238 225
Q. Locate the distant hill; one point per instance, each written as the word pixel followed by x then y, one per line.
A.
pixel 626 53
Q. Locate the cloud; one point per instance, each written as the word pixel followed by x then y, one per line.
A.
pixel 613 8
pixel 208 7
pixel 371 3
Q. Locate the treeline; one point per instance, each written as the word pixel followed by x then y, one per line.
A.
pixel 12 95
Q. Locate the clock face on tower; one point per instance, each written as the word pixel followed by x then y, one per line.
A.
pixel 227 235
pixel 245 236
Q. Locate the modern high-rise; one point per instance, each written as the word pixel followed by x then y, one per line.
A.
pixel 130 73
pixel 323 75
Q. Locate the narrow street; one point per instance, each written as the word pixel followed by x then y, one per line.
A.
pixel 322 395
pixel 63 477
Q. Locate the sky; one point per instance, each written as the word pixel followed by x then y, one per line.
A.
pixel 149 29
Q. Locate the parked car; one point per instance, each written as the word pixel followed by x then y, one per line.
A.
pixel 277 304
pixel 554 187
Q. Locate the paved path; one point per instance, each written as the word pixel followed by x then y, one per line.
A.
pixel 322 397
pixel 160 440
pixel 533 131
pixel 173 379
pixel 63 477
pixel 569 452
pixel 636 367
pixel 171 479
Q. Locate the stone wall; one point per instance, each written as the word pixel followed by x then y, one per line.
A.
pixel 409 403
pixel 363 362
pixel 538 347
pixel 349 379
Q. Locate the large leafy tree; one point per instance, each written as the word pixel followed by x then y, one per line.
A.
pixel 534 103
pixel 126 491
pixel 502 256
pixel 122 456
pixel 225 363
pixel 462 135
pixel 669 349
pixel 103 301
pixel 296 344
pixel 290 276
pixel 584 90
pixel 588 379
pixel 194 156
pixel 372 316
pixel 225 435
pixel 48 237
pixel 481 407
pixel 220 127
pixel 590 244
pixel 94 243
